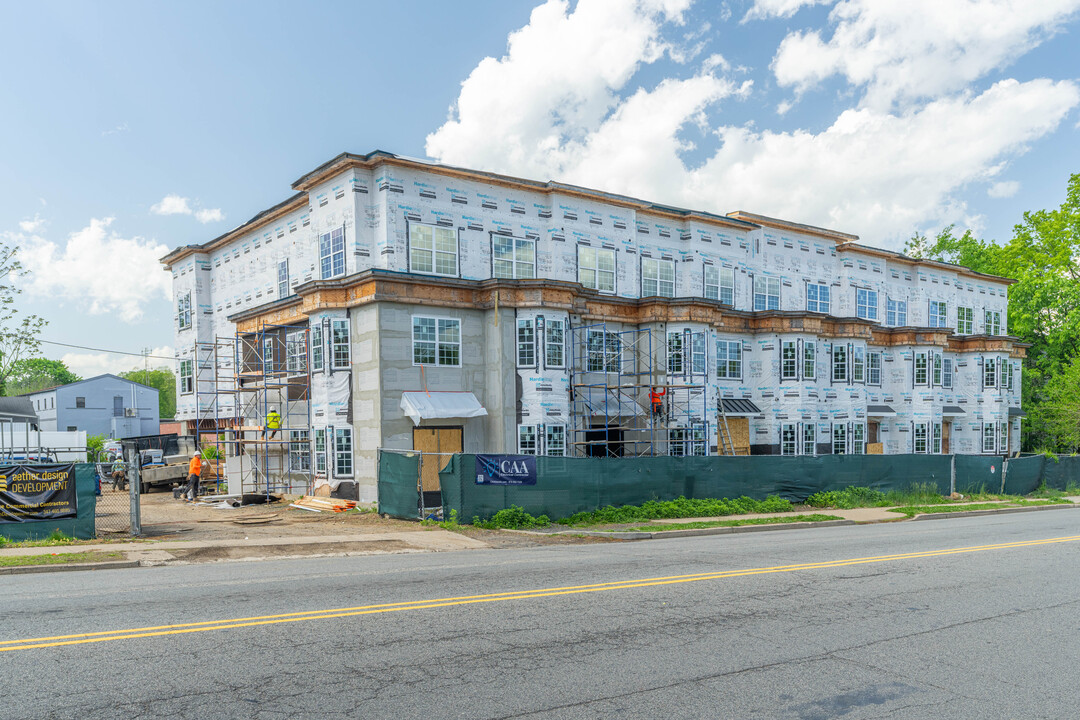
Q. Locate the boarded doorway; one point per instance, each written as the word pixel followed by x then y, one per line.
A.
pixel 946 431
pixel 442 440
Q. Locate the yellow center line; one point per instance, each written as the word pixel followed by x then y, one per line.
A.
pixel 208 625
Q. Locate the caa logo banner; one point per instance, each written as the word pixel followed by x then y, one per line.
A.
pixel 505 470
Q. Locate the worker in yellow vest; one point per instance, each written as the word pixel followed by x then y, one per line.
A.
pixel 273 422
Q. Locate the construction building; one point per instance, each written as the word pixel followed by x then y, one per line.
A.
pixel 399 303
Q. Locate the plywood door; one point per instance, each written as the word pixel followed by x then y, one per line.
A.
pixel 739 429
pixel 946 431
pixel 435 440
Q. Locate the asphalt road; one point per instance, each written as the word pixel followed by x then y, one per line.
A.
pixel 775 624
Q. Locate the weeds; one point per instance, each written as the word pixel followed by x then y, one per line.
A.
pixel 512 518
pixel 912 511
pixel 816 517
pixel 680 508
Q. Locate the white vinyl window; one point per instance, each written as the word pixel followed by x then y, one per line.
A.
pixel 788 439
pixel 657 278
pixel 339 345
pixel 866 303
pixel 332 254
pixel 729 359
pixel 555 344
pixel 839 438
pixel 316 348
pixel 268 354
pixel 965 321
pixel 896 313
pixel 675 353
pixel 283 279
pixel 1004 446
pixel 720 284
pixel 596 268
pixel 526 343
pixel 603 352
pixel 436 341
pixel 789 365
pixel 920 438
pixel 809 439
pixel 809 360
pixel 989 373
pixel 989 437
pixel 939 314
pixel 839 363
pixel 555 440
pixel 766 293
pixel 817 297
pixel 687 441
pixel 343 452
pixel 936 440
pixel 183 311
pixel 946 372
pixel 922 370
pixel 858 364
pixel 1010 371
pixel 512 257
pixel 433 250
pixel 938 371
pixel 992 322
pixel 873 368
pixel 320 451
pixel 527 444
pixel 299 451
pixel 296 352
pixel 858 439
pixel 187 377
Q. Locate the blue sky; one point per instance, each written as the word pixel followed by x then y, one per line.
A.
pixel 130 127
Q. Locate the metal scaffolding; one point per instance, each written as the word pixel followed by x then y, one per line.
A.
pixel 238 381
pixel 633 397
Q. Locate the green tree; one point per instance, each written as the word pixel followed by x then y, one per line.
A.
pixel 33 374
pixel 18 334
pixel 165 381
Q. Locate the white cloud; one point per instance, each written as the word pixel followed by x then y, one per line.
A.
pixel 32 226
pixel 558 107
pixel 208 215
pixel 88 365
pixel 103 272
pixel 779 8
pixel 171 205
pixel 121 128
pixel 917 49
pixel 1004 189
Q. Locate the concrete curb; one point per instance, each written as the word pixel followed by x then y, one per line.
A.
pixel 998 511
pixel 71 567
pixel 696 532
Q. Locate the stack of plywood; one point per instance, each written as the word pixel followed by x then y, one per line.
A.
pixel 323 504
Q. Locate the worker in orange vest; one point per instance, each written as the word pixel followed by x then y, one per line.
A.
pixel 195 468
pixel 656 400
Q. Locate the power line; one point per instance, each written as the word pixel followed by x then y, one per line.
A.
pixel 111 352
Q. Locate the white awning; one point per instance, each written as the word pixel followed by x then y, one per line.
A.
pixel 431 405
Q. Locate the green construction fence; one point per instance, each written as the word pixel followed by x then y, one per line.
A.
pixel 81 526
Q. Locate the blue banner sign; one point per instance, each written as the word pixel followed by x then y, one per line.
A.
pixel 505 470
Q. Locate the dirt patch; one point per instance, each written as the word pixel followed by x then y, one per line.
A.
pixel 298 550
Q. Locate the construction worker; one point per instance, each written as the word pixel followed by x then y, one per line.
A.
pixel 656 399
pixel 273 422
pixel 195 468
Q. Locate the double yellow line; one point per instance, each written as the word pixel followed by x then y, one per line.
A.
pixel 160 630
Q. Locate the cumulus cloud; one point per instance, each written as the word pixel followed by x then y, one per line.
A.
pixel 90 364
pixel 779 8
pixel 32 225
pixel 904 51
pixel 566 102
pixel 1003 189
pixel 171 205
pixel 97 268
pixel 209 215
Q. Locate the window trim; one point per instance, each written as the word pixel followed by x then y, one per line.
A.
pixel 872 366
pixel 528 324
pixel 348 453
pixel 809 438
pixel 820 305
pixel 965 320
pixel 727 360
pixel 842 439
pixel 789 372
pixel 894 312
pixel 992 436
pixel 296 362
pixel 189 376
pixel 865 293
pixel 608 352
pixel 283 278
pixel 842 364
pixel 549 344
pixel 992 322
pixel 318 354
pixel 335 362
pixel 596 268
pixel 183 312
pixel 925 369
pixel 789 444
pixel 659 263
pixel 915 430
pixel 768 280
pixel 410 225
pixel 809 360
pixel 514 262
pixel 437 342
pixel 328 253
pixel 721 273
pixel 941 317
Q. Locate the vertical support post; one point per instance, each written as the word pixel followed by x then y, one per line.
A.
pixel 952 474
pixel 1004 470
pixel 135 493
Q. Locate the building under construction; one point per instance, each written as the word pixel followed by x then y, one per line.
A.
pixel 395 303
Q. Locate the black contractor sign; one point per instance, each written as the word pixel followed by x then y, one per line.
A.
pixel 37 492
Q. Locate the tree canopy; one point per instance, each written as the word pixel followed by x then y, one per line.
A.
pixel 164 380
pixel 18 333
pixel 33 374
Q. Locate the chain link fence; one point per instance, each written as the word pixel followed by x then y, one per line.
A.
pixel 113 515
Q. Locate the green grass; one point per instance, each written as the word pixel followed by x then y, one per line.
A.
pixel 55 538
pixel 816 517
pixel 915 494
pixel 913 510
pixel 680 508
pixel 58 558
